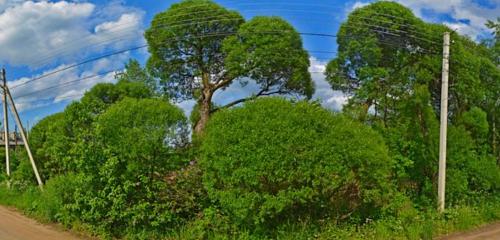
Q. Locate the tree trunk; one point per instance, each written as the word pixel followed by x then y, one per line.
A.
pixel 205 106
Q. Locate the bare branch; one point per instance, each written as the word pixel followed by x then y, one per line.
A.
pixel 261 93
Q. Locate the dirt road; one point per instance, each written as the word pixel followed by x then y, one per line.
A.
pixel 490 232
pixel 14 226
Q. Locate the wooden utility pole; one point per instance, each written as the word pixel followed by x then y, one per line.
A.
pixel 444 122
pixel 5 124
pixel 23 134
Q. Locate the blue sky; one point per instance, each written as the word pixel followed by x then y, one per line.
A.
pixel 38 37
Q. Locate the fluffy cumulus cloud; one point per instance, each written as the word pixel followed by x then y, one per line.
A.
pixel 355 5
pixel 466 16
pixel 48 36
pixel 333 100
pixel 330 99
pixel 67 85
pixel 36 33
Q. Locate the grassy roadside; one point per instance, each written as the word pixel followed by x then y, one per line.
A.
pixel 408 224
pixel 44 208
pixel 421 225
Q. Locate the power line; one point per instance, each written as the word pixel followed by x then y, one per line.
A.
pixel 387 32
pixel 146 45
pixel 143 46
pixel 69 83
pixel 408 34
pixel 75 81
pixel 212 17
pixel 79 64
pixel 61 51
pixel 415 30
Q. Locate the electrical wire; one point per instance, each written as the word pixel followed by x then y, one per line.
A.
pixel 146 45
pixel 143 46
pixel 407 34
pixel 211 17
pixel 64 51
pixel 414 30
pixel 69 83
pixel 76 81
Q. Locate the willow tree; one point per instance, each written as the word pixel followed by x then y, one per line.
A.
pixel 198 48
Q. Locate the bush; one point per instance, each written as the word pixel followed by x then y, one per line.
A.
pixel 121 178
pixel 472 172
pixel 53 202
pixel 51 145
pixel 272 161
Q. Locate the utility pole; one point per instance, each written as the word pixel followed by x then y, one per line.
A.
pixel 23 135
pixel 444 122
pixel 6 125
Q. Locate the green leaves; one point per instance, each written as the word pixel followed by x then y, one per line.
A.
pixel 186 41
pixel 198 48
pixel 389 62
pixel 269 50
pixel 134 73
pixel 272 160
pixel 131 149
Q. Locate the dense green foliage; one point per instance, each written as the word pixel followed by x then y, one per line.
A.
pixel 109 156
pixel 123 173
pixel 396 88
pixel 198 48
pixel 273 161
pixel 120 163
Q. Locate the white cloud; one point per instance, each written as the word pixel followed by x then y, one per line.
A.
pixel 4 4
pixel 330 99
pixel 64 86
pixel 36 33
pixel 476 15
pixel 334 100
pixel 356 5
pixel 43 34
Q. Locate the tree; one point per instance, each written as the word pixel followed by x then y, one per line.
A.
pixel 51 143
pixel 57 140
pixel 389 63
pixel 194 55
pixel 134 73
pixel 272 161
pixel 121 179
pixel 495 43
pixel 377 63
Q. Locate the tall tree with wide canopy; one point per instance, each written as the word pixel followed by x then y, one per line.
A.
pixel 389 63
pixel 198 47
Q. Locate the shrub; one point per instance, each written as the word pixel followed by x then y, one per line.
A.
pixel 122 171
pixel 51 144
pixel 272 161
pixel 471 174
pixel 52 204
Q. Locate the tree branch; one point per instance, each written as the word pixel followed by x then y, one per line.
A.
pixel 223 83
pixel 259 94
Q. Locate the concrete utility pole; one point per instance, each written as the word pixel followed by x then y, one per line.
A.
pixel 6 125
pixel 23 135
pixel 444 122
